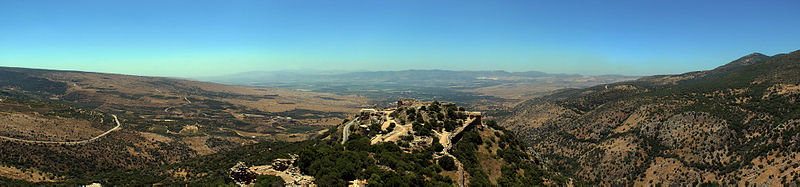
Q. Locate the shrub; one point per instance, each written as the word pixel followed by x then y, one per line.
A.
pixel 447 163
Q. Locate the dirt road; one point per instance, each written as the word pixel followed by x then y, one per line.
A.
pixel 68 142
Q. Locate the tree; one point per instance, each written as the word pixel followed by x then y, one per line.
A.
pixel 479 178
pixel 447 163
pixel 374 128
pixel 434 106
pixel 391 127
pixel 438 147
pixel 357 143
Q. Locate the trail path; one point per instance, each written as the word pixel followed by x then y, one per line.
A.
pixel 68 142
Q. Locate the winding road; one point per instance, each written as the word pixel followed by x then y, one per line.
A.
pixel 68 142
pixel 346 131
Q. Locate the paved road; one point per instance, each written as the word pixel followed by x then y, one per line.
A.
pixel 68 142
pixel 346 131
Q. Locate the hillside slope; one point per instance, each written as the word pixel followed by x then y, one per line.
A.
pixel 162 120
pixel 738 123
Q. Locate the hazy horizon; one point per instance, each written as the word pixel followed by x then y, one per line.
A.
pixel 208 38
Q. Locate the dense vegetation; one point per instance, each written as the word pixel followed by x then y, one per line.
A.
pixel 333 164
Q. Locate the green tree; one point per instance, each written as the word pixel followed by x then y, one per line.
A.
pixel 268 180
pixel 447 163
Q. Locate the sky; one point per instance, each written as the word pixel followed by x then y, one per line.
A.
pixel 199 38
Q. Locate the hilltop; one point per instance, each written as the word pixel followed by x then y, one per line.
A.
pixel 424 144
pixel 736 124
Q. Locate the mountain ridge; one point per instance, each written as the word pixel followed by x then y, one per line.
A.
pixel 613 133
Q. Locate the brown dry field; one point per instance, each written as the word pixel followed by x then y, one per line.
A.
pixel 27 175
pixel 285 100
pixel 157 99
pixel 28 123
pixel 517 92
pixel 46 128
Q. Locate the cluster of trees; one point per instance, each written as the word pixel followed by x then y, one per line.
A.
pixel 333 164
pixel 422 129
pixel 435 116
pixel 447 163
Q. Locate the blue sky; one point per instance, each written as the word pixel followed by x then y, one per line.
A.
pixel 208 38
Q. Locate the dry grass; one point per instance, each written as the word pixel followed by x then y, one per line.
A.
pixel 520 91
pixel 156 137
pixel 32 127
pixel 27 175
pixel 198 144
pixel 283 100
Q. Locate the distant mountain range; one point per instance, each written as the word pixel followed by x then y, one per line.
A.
pixel 406 77
pixel 736 124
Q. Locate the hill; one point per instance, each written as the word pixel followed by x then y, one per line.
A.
pixel 428 143
pixel 414 144
pixel 57 125
pixel 736 124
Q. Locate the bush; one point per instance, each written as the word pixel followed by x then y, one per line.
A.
pixel 269 180
pixel 447 163
pixel 479 178
pixel 391 127
pixel 473 137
